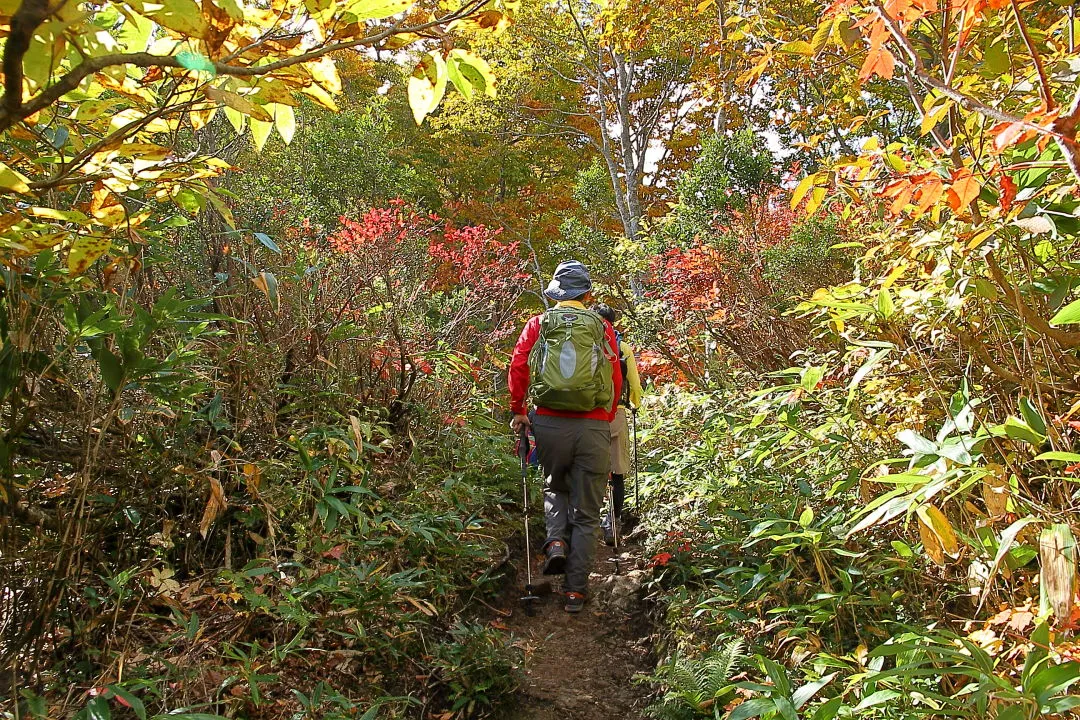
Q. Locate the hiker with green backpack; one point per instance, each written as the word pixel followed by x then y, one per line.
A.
pixel 566 362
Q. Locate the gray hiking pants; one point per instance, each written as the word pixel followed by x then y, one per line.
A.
pixel 576 457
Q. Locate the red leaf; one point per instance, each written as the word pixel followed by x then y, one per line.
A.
pixel 1008 192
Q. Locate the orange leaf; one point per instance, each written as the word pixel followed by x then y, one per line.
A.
pixel 1009 134
pixel 878 62
pixel 965 188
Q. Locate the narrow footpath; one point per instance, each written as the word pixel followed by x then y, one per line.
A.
pixel 580 667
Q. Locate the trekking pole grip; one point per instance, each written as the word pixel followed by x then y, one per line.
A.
pixel 523 444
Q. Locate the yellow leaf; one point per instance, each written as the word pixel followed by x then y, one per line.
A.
pixel 238 103
pixel 797 47
pixel 939 525
pixel 821 36
pixel 260 131
pixel 802 188
pixel 12 180
pixel 181 16
pixel 236 119
pixel 111 216
pixel 84 251
pixel 60 215
pixel 931 543
pixel 252 478
pixel 427 85
pixel 316 93
pixel 285 122
pixel 376 9
pixel 816 198
pixel 215 506
pixel 34 244
pixel 324 72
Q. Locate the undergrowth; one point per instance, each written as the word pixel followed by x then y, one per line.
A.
pixel 865 581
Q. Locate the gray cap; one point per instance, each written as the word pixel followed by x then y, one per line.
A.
pixel 571 280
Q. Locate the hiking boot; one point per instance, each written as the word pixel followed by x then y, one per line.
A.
pixel 609 536
pixel 556 558
pixel 575 601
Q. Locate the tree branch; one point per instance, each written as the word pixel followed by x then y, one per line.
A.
pixel 12 113
pixel 23 24
pixel 1044 84
pixel 1027 314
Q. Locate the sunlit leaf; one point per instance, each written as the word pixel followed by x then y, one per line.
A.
pixel 260 132
pixel 285 122
pixel 84 251
pixel 427 85
pixel 375 9
pixel 1068 315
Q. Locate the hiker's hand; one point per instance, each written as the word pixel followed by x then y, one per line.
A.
pixel 519 422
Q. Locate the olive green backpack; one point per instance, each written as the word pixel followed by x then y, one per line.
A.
pixel 571 362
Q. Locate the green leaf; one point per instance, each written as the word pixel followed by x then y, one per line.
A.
pixel 829 709
pixel 1051 681
pixel 1008 537
pixel 885 307
pixel 1032 416
pixel 806 517
pixel 267 242
pixel 752 709
pixel 1017 429
pixel 98 709
pixel 812 378
pixel 804 694
pixel 902 549
pixel 1069 457
pixel 1068 315
pixel 470 74
pixel 915 441
pixel 877 698
pixel 112 370
pixel 130 700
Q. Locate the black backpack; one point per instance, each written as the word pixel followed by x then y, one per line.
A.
pixel 624 396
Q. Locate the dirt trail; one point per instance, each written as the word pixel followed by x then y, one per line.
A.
pixel 579 667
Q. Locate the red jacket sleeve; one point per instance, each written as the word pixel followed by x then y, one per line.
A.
pixel 518 380
pixel 616 369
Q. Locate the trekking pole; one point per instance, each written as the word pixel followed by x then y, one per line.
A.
pixel 530 596
pixel 614 526
pixel 637 471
